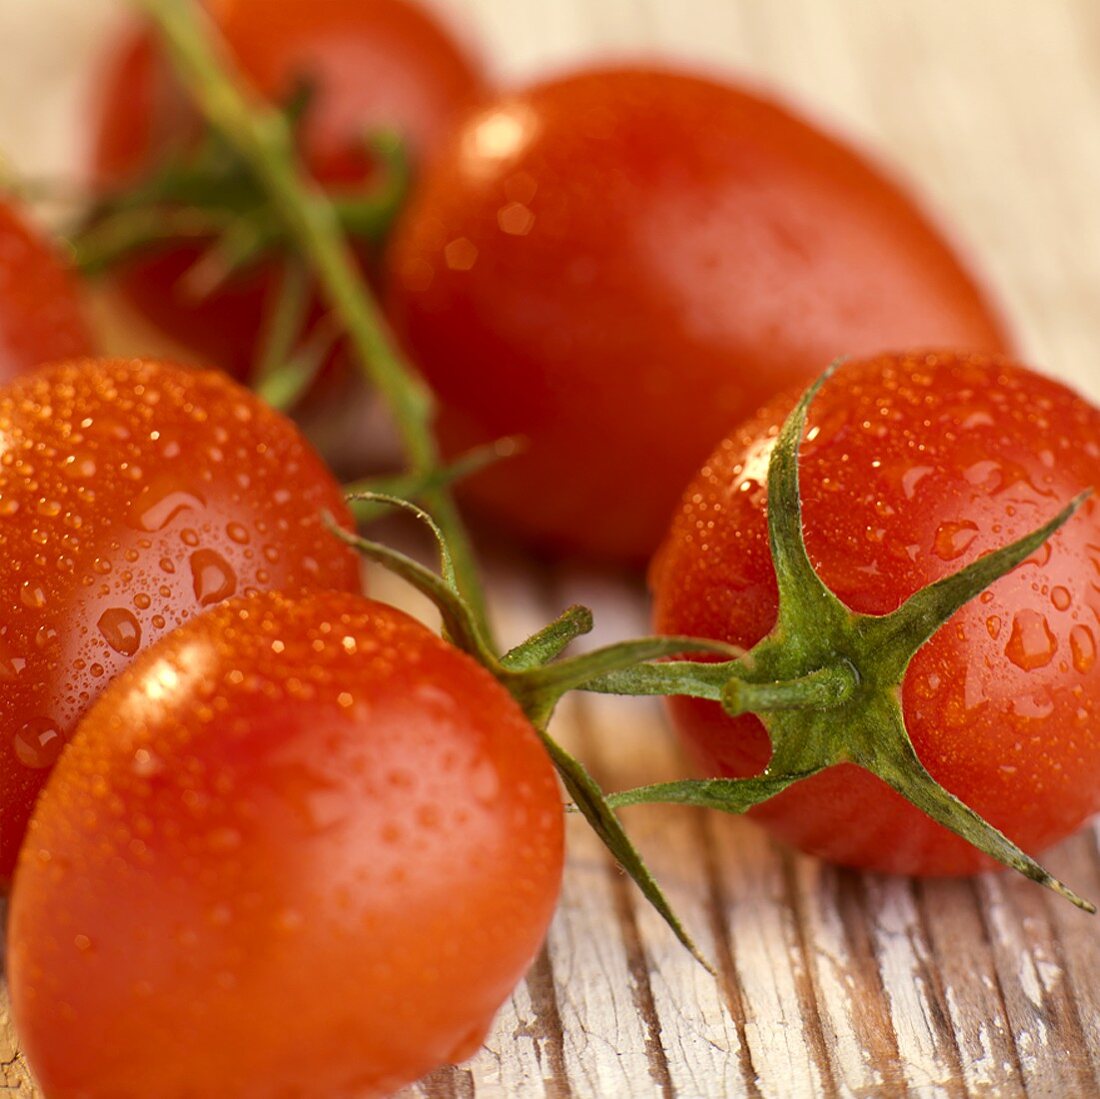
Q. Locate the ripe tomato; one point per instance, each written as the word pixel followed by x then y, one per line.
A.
pixel 621 265
pixel 41 316
pixel 374 64
pixel 912 467
pixel 132 495
pixel 300 847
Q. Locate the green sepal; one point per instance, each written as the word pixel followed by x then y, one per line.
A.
pixel 727 795
pixel 458 623
pixel 551 641
pixel 901 633
pixel 593 805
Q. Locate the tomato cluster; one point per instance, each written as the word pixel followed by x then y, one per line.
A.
pixel 233 788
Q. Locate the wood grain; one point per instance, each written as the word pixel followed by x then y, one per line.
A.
pixel 830 983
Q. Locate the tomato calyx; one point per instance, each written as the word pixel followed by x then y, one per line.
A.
pixel 826 682
pixel 538 675
pixel 204 188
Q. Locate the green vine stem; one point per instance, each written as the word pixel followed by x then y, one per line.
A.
pixel 262 136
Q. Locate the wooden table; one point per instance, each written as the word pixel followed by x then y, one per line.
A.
pixel 832 983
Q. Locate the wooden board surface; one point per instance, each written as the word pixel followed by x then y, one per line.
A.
pixel 832 983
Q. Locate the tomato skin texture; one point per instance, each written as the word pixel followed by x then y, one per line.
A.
pixel 41 314
pixel 134 494
pixel 913 466
pixel 375 64
pixel 620 265
pixel 330 845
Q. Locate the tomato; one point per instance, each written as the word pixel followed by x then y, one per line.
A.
pixel 301 847
pixel 912 467
pixel 41 314
pixel 621 265
pixel 373 64
pixel 132 495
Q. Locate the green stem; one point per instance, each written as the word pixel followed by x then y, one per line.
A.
pixel 819 690
pixel 262 136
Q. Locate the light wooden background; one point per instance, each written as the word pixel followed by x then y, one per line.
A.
pixel 833 983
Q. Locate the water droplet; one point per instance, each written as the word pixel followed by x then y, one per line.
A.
pixel 1032 645
pixel 82 943
pixel 460 254
pixel 145 763
pixel 121 630
pixel 159 503
pixel 212 577
pixel 954 539
pixel 45 636
pixel 8 506
pixel 48 508
pixel 993 625
pixel 1083 646
pixel 238 533
pixel 39 743
pixel 913 477
pixel 79 467
pixel 1060 597
pixel 32 595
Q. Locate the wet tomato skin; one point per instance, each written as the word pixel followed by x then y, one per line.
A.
pixel 133 495
pixel 300 847
pixel 374 65
pixel 913 466
pixel 41 312
pixel 620 265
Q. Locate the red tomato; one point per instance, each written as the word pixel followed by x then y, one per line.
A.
pixel 620 265
pixel 298 848
pixel 374 64
pixel 41 316
pixel 912 467
pixel 132 495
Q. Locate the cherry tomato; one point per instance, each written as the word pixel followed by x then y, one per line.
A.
pixel 134 494
pixel 41 315
pixel 373 65
pixel 300 847
pixel 621 265
pixel 912 467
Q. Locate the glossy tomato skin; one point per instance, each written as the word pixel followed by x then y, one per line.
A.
pixel 374 65
pixel 41 314
pixel 134 494
pixel 301 847
pixel 620 265
pixel 913 466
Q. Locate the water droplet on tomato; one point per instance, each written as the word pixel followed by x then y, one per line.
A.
pixel 212 577
pixel 1032 644
pixel 954 539
pixel 39 743
pixel 48 508
pixel 160 502
pixel 913 477
pixel 79 467
pixel 32 595
pixel 121 630
pixel 993 626
pixel 238 533
pixel 1083 646
pixel 1060 597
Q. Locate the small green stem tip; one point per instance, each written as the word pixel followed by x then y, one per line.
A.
pixel 820 690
